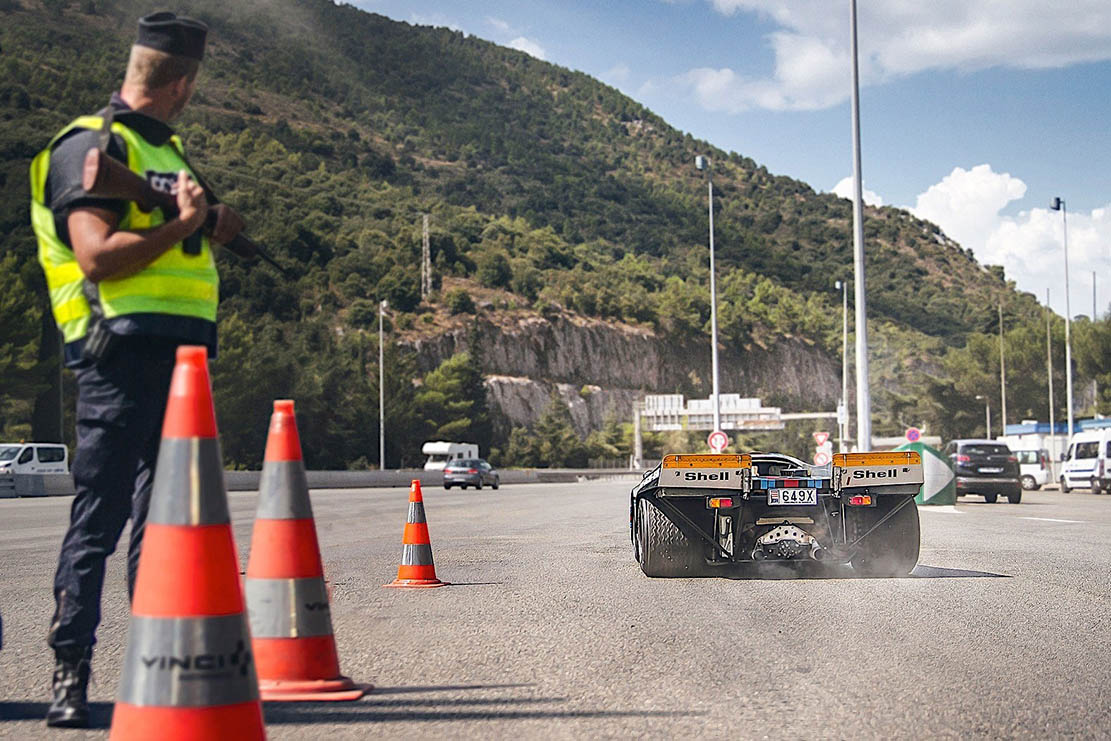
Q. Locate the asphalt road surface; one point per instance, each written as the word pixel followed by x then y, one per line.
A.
pixel 551 631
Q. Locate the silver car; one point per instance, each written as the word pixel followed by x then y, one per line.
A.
pixel 470 472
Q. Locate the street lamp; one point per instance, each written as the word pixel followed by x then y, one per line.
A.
pixel 382 306
pixel 1049 373
pixel 1059 205
pixel 863 397
pixel 987 415
pixel 704 163
pixel 843 407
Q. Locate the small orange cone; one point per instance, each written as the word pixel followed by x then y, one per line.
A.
pixel 188 671
pixel 291 620
pixel 416 569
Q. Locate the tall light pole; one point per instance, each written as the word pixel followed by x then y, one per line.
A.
pixel 704 163
pixel 843 407
pixel 382 306
pixel 1059 205
pixel 1002 376
pixel 863 397
pixel 1049 372
pixel 987 416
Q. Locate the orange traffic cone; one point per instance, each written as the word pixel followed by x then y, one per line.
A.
pixel 416 569
pixel 291 622
pixel 188 671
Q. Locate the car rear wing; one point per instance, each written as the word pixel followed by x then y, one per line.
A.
pixel 689 473
pixel 893 472
pixel 898 472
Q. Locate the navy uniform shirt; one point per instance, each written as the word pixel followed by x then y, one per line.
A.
pixel 64 192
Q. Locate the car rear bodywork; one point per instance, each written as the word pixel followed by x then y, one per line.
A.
pixel 695 513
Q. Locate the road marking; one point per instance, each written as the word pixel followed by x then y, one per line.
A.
pixel 948 509
pixel 1051 519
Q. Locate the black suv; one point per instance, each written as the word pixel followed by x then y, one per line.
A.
pixel 985 467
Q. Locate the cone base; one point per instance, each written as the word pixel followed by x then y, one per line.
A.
pixel 417 583
pixel 340 689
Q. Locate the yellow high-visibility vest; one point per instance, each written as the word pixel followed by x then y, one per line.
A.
pixel 175 283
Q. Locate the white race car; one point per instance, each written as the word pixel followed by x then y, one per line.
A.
pixel 695 514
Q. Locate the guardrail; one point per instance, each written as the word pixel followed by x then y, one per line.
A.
pixel 38 485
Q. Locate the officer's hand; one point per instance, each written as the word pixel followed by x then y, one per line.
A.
pixel 192 206
pixel 228 223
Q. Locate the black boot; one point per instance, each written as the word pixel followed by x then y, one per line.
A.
pixel 70 708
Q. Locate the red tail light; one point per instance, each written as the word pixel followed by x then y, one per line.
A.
pixel 963 459
pixel 1012 459
pixel 472 470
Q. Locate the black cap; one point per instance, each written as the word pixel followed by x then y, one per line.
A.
pixel 178 35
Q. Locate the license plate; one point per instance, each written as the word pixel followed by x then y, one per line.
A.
pixel 792 496
pixel 991 470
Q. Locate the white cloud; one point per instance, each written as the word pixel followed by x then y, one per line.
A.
pixel 844 189
pixel 899 38
pixel 436 19
pixel 498 23
pixel 618 74
pixel 967 205
pixel 528 46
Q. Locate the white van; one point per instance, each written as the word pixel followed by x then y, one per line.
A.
pixel 1086 463
pixel 440 453
pixel 17 458
pixel 1033 468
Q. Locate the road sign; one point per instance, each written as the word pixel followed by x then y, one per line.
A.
pixel 822 457
pixel 717 440
pixel 913 434
pixel 820 438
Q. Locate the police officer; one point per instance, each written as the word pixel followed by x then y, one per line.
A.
pixel 126 288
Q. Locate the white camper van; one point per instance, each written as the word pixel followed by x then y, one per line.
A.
pixel 1088 462
pixel 441 453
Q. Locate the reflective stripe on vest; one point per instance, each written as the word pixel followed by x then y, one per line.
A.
pixel 175 283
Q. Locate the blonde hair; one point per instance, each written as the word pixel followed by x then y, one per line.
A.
pixel 150 69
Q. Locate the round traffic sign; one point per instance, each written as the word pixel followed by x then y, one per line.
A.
pixel 717 441
pixel 822 457
pixel 913 434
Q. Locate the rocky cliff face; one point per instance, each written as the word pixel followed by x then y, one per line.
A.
pixel 600 368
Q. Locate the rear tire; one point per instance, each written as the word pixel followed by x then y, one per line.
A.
pixel 447 487
pixel 1015 498
pixel 1065 489
pixel 892 549
pixel 496 484
pixel 662 548
pixel 1096 489
pixel 1028 483
pixel 991 498
pixel 478 486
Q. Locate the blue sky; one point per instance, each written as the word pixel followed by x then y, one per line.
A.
pixel 974 113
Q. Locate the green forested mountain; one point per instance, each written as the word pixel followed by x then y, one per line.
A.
pixel 332 130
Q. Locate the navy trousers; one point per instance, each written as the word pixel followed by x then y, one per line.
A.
pixel 120 404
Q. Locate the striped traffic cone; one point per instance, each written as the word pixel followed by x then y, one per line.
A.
pixel 291 622
pixel 188 671
pixel 416 569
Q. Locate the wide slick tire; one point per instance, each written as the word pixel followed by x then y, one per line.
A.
pixel 892 548
pixel 661 547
